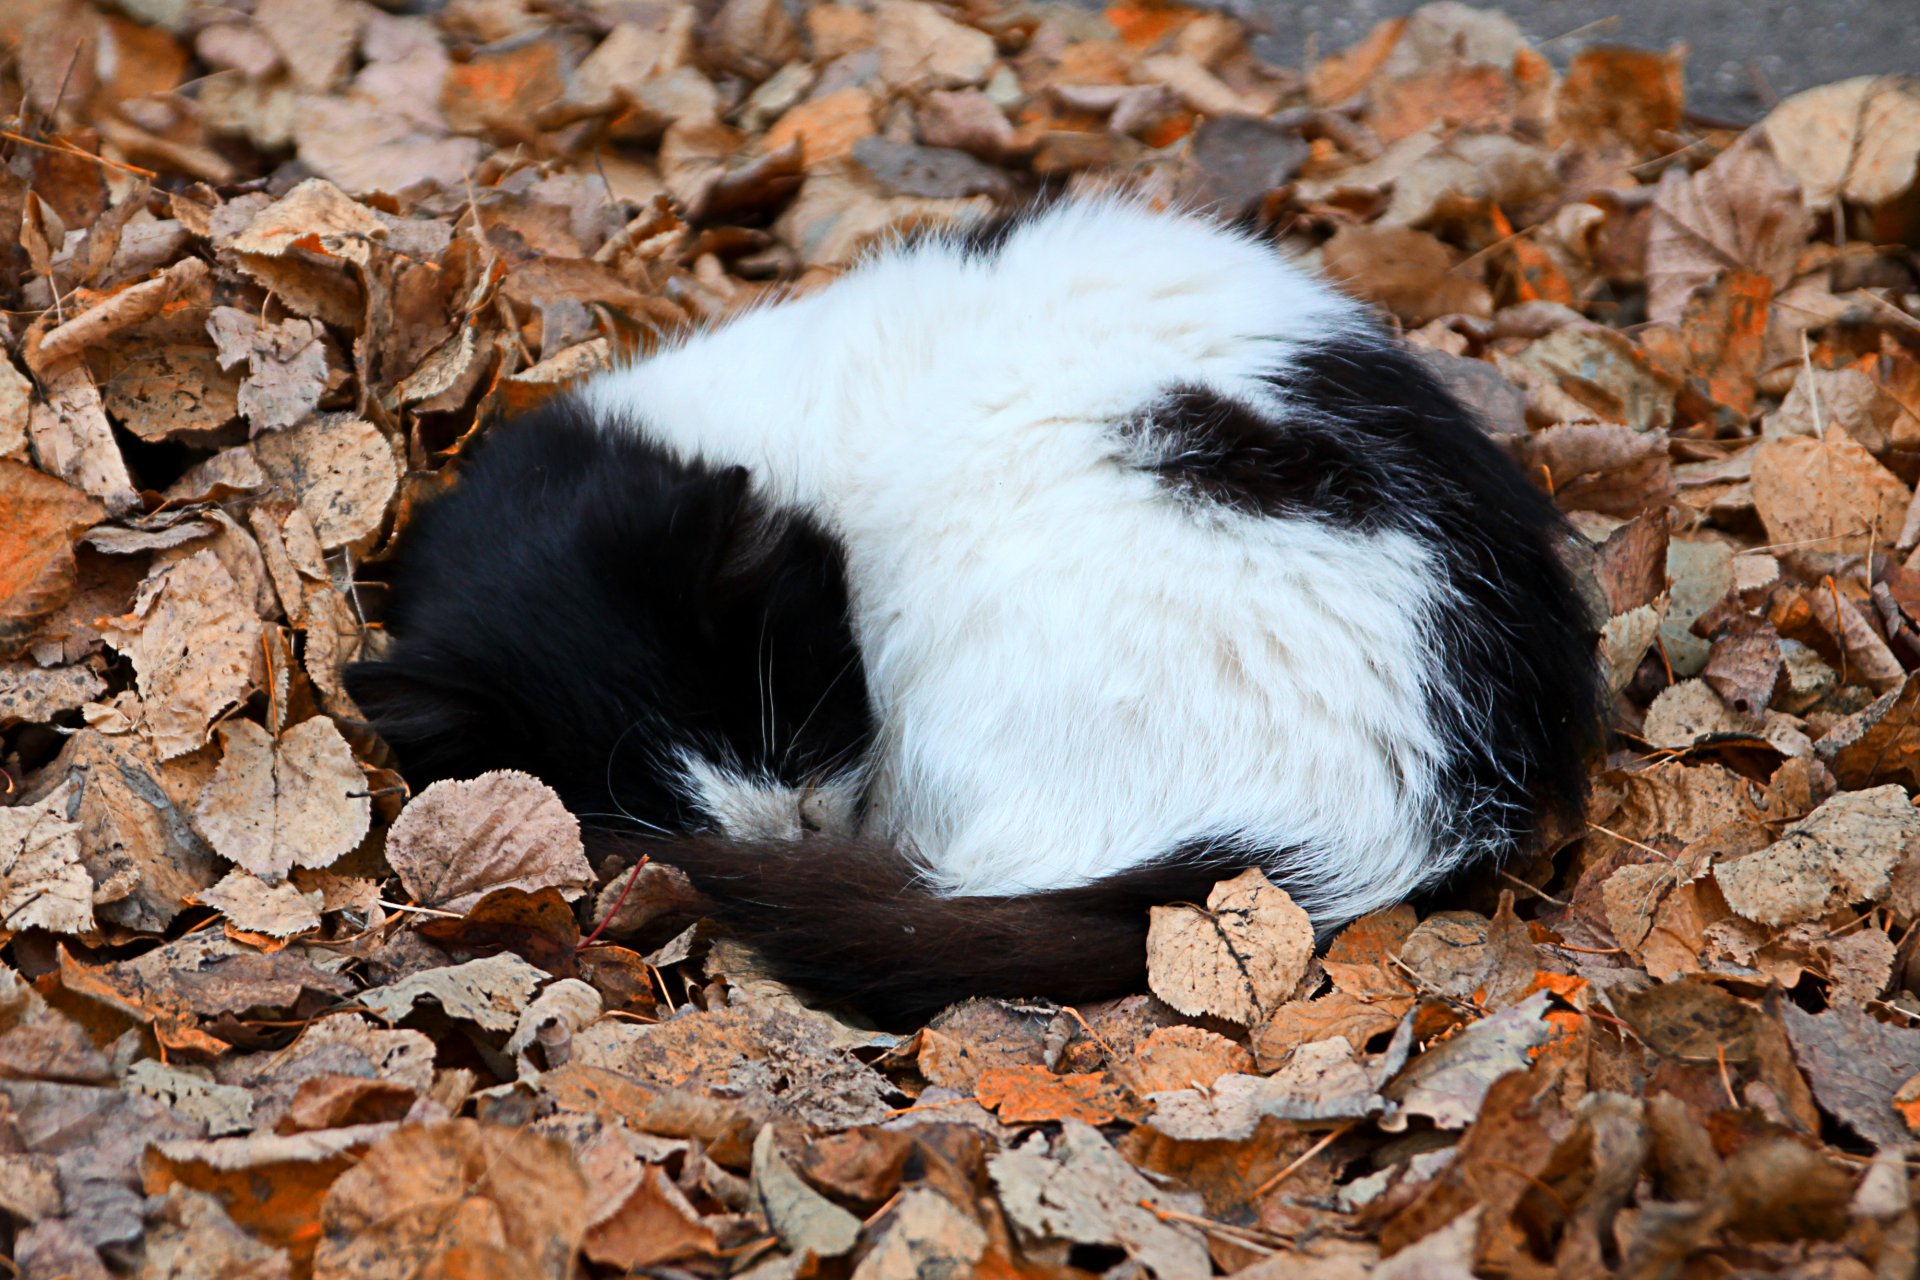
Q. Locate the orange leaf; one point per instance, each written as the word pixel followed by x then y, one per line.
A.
pixel 1034 1095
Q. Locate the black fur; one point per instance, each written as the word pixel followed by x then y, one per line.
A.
pixel 585 608
pixel 852 920
pixel 1370 439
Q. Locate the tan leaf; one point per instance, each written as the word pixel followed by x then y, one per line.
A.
pixel 921 48
pixel 33 693
pixel 39 518
pixel 1743 212
pixel 194 643
pixel 286 366
pixel 1447 1083
pixel 427 1194
pixel 456 842
pixel 806 1221
pixel 492 992
pixel 252 905
pixel 315 217
pixel 1842 853
pixel 16 409
pixel 73 439
pixel 924 1235
pixel 1083 1191
pixel 340 470
pixel 1181 1058
pixel 275 804
pixel 1857 138
pixel 145 860
pixel 1822 501
pixel 42 883
pixel 1238 958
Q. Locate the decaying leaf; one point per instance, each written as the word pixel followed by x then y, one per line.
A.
pixel 1083 1191
pixel 39 519
pixel 194 642
pixel 274 804
pixel 41 880
pixel 1843 852
pixel 1238 958
pixel 459 841
pixel 492 992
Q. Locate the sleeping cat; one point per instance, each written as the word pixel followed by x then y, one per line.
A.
pixel 940 621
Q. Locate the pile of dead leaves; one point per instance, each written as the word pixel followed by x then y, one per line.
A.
pixel 265 1013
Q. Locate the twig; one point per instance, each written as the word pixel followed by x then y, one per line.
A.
pixel 1300 1161
pixel 70 150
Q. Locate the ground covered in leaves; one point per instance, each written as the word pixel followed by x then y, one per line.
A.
pixel 263 1012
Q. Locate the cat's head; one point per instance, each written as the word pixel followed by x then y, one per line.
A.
pixel 588 609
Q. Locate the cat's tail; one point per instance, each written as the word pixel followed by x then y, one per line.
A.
pixel 854 921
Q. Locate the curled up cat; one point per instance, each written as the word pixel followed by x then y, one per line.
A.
pixel 942 620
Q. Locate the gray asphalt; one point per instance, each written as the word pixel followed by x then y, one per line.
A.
pixel 1745 54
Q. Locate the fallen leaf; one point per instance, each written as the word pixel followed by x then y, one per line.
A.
pixel 492 992
pixel 1448 1083
pixel 924 1235
pixel 1035 1095
pixel 458 841
pixel 286 366
pixel 252 905
pixel 1856 1064
pixel 455 1194
pixel 806 1221
pixel 340 470
pixel 194 643
pixel 1081 1190
pixel 1238 958
pixel 1843 852
pixel 41 880
pixel 1858 139
pixel 39 520
pixel 1824 501
pixel 275 804
pixel 1743 212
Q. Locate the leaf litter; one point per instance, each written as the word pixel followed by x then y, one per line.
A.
pixel 265 1012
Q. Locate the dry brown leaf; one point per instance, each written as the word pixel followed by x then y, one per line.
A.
pixel 1448 1083
pixel 497 1200
pixel 146 861
pixel 341 471
pixel 274 804
pixel 194 643
pixel 1824 502
pixel 253 905
pixel 33 693
pixel 1083 1191
pixel 924 1235
pixel 1239 958
pixel 1843 852
pixel 286 366
pixel 1858 139
pixel 122 310
pixel 1856 1064
pixel 1181 1058
pixel 73 439
pixel 42 882
pixel 806 1221
pixel 39 519
pixel 1743 212
pixel 921 48
pixel 492 992
pixel 459 841
pixel 1408 272
pixel 1035 1095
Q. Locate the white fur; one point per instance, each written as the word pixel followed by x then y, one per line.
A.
pixel 1075 671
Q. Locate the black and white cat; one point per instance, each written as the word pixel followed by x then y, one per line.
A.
pixel 947 617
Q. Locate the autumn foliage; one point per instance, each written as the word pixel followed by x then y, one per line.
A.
pixel 266 1012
